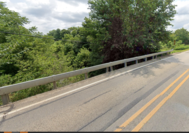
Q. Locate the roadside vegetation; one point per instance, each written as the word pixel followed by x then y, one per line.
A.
pixel 115 30
pixel 181 38
pixel 177 49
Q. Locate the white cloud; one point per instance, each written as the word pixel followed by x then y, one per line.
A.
pixel 6 1
pixel 52 14
pixel 47 15
pixel 181 19
pixel 66 7
pixel 38 2
pixel 186 26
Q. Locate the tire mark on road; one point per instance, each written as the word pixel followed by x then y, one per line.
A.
pixel 94 120
pixel 96 97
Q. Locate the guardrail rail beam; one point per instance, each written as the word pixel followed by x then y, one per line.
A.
pixel 5 90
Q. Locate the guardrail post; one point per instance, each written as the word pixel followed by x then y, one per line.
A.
pixel 86 75
pixel 125 64
pixel 136 61
pixel 5 99
pixel 156 56
pixel 152 57
pixel 107 69
pixel 111 68
pixel 54 84
pixel 145 59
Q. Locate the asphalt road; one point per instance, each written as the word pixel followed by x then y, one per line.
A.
pixel 149 96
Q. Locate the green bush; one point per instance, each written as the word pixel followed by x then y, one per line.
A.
pixel 15 96
pixel 5 80
pixel 182 47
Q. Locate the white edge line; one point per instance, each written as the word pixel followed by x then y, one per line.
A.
pixel 81 88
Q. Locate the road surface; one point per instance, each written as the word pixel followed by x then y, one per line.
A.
pixel 148 96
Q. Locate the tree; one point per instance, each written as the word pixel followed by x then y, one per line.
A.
pixel 63 32
pixel 11 47
pixel 10 20
pixel 24 58
pixel 82 59
pixel 182 34
pixel 52 33
pixel 127 28
pixel 57 35
pixel 15 49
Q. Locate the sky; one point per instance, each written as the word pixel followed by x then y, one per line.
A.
pixel 47 15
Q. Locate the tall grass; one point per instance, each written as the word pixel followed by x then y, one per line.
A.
pixel 177 48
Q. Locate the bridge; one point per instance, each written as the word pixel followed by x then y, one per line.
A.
pixel 148 96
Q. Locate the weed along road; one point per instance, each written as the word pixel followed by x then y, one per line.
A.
pixel 148 96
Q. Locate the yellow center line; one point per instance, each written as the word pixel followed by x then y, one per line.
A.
pixel 148 104
pixel 147 118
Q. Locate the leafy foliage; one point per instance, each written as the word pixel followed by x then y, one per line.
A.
pixel 115 29
pixel 127 28
pixel 182 34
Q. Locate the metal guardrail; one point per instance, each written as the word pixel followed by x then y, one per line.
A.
pixel 5 90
